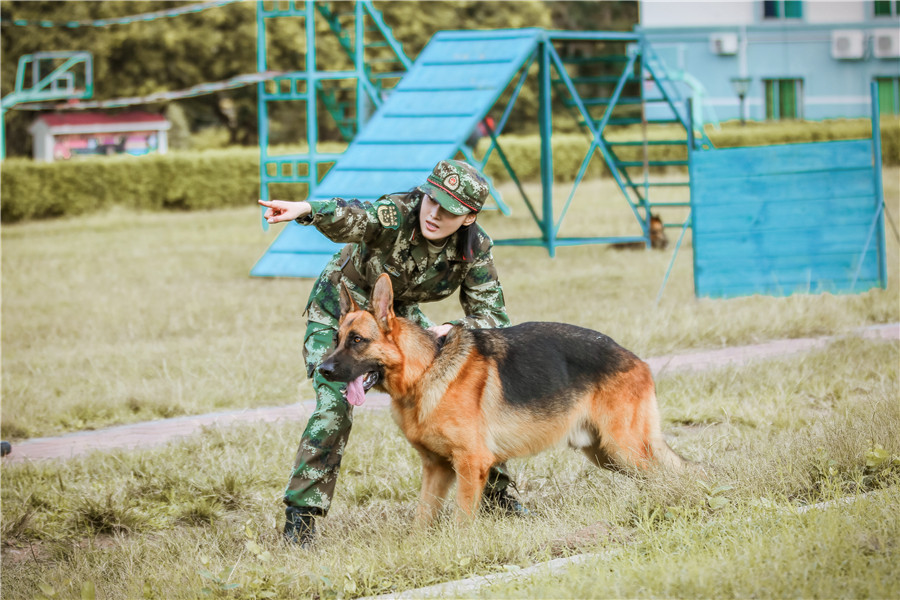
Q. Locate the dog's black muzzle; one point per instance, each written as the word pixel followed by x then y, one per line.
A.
pixel 331 371
pixel 327 370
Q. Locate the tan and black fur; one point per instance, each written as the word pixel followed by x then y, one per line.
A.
pixel 488 395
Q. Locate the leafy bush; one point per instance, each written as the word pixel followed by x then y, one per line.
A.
pixel 217 178
pixel 181 181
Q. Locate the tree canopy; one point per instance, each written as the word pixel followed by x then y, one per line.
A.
pixel 167 54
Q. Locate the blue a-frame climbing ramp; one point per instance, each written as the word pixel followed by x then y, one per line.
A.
pixel 452 85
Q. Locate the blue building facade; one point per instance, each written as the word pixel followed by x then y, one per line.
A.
pixel 808 60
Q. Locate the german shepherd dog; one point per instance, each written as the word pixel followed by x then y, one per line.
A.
pixel 482 396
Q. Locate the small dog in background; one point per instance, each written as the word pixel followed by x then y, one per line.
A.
pixel 658 239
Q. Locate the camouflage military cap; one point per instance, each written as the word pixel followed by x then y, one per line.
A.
pixel 457 186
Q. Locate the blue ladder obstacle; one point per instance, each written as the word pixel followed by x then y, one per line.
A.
pixel 428 116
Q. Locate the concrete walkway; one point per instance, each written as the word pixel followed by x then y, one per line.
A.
pixel 154 433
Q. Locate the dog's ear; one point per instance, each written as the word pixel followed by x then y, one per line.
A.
pixel 383 302
pixel 348 304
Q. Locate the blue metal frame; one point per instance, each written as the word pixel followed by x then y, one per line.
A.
pixel 639 56
pixel 47 87
pixel 549 63
pixel 287 168
pixel 455 82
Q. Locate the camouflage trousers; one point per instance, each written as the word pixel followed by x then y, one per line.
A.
pixel 318 460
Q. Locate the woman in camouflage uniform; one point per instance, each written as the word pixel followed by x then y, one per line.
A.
pixel 429 244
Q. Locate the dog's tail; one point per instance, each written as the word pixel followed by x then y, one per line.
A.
pixel 664 456
pixel 660 451
pixel 627 419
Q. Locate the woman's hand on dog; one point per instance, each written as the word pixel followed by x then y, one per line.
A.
pixel 441 330
pixel 284 210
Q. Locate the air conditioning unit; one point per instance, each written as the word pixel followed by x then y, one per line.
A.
pixel 848 44
pixel 723 43
pixel 886 43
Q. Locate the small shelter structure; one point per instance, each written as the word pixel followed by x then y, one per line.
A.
pixel 65 136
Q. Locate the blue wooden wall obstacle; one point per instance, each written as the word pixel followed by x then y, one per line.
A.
pixel 790 218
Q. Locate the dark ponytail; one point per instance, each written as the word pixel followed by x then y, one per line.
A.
pixel 467 241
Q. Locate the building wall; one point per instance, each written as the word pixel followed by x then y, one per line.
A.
pixel 676 13
pixel 769 49
pixel 837 12
pixel 680 13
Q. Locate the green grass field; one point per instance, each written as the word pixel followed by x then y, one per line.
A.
pixel 126 316
pixel 205 512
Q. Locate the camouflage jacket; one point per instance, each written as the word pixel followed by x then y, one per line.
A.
pixel 384 237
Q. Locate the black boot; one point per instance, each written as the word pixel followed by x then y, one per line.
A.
pixel 502 502
pixel 300 527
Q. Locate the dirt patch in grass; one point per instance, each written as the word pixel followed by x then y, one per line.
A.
pixel 590 537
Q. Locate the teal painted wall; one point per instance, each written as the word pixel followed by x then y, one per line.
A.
pixel 832 88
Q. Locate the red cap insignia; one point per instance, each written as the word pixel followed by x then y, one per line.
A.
pixel 451 181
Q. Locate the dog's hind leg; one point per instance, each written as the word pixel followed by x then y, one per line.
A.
pixel 598 455
pixel 472 473
pixel 664 456
pixel 626 417
pixel 437 477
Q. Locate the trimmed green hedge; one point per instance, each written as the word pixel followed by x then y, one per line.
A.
pixel 569 149
pixel 175 181
pixel 759 134
pixel 217 178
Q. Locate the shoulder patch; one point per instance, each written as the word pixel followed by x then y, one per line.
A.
pixel 388 215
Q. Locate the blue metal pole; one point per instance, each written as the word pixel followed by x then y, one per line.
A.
pixel 20 71
pixel 262 118
pixel 546 129
pixel 691 148
pixel 617 92
pixel 2 133
pixel 879 190
pixel 312 124
pixel 645 153
pixel 360 66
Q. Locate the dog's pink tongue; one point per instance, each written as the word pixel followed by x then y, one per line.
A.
pixel 356 395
